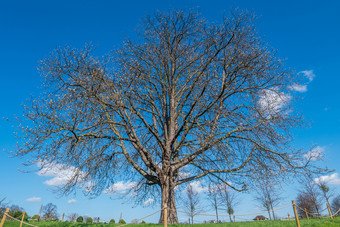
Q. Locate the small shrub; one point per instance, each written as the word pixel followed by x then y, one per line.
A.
pixel 80 219
pixel 143 222
pixel 112 221
pixel 89 220
pixel 121 221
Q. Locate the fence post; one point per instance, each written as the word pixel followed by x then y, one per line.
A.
pixel 306 214
pixel 62 219
pixel 234 219
pixel 296 214
pixel 329 210
pixel 22 219
pixel 4 218
pixel 165 215
pixel 288 216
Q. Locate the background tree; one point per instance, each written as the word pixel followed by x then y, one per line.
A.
pixel 326 191
pixel 229 200
pixel 80 219
pixel 336 204
pixel 268 196
pixel 15 208
pixel 96 220
pixel 192 202
pixel 210 98
pixel 121 221
pixel 17 212
pixel 305 201
pixel 214 199
pixel 89 220
pixel 112 221
pixel 50 212
pixel 36 217
pixel 72 217
pixel 313 193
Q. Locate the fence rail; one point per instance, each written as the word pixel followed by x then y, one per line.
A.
pixel 6 214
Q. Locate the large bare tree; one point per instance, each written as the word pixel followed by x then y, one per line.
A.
pixel 187 95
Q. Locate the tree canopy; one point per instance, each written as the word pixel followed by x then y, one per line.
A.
pixel 186 100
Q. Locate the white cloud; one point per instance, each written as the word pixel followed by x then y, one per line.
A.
pixel 272 101
pixel 315 154
pixel 331 179
pixel 183 175
pixel 120 187
pixel 298 87
pixel 309 74
pixel 197 186
pixel 61 173
pixel 34 199
pixel 149 201
pixel 71 201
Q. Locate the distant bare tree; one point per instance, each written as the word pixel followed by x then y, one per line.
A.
pixel 229 200
pixel 72 217
pixel 211 98
pixel 312 191
pixel 306 201
pixel 268 196
pixel 96 220
pixel 50 211
pixel 336 204
pixel 191 202
pixel 214 199
pixel 14 208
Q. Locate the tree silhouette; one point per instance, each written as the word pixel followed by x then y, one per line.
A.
pixel 209 99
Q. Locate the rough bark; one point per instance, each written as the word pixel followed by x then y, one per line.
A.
pixel 168 200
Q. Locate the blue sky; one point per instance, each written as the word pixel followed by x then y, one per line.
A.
pixel 305 33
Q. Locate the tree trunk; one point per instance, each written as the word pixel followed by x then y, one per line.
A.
pixel 271 205
pixel 269 213
pixel 168 198
pixel 216 214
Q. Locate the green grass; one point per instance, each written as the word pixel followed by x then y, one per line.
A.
pixel 323 222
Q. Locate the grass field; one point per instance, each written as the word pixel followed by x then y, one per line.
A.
pixel 314 222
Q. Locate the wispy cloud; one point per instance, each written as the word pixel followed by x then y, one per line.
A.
pixel 309 74
pixel 149 201
pixel 34 199
pixel 61 173
pixel 315 154
pixel 298 87
pixel 273 101
pixel 330 179
pixel 197 186
pixel 120 187
pixel 71 201
pixel 183 175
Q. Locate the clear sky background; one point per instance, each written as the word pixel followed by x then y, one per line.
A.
pixel 305 33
